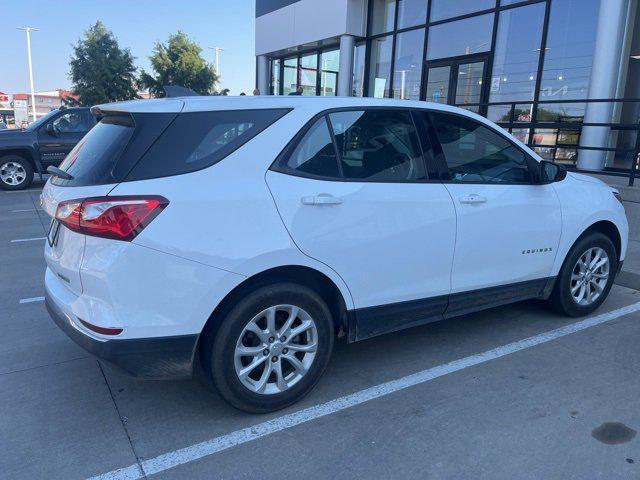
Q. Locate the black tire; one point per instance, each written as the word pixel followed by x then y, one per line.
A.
pixel 26 166
pixel 561 299
pixel 220 354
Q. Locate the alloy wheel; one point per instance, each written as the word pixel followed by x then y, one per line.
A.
pixel 276 349
pixel 589 276
pixel 12 173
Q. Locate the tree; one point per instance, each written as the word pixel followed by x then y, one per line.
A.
pixel 101 71
pixel 179 62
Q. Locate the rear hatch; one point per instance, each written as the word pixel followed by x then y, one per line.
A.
pixel 101 160
pixel 153 141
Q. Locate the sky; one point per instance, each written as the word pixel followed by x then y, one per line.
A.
pixel 137 24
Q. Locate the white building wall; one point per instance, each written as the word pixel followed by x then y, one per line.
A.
pixel 308 22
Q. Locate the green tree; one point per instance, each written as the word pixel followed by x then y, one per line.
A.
pixel 179 62
pixel 101 71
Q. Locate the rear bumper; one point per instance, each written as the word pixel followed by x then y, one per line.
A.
pixel 156 357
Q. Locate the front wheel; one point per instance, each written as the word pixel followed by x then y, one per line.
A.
pixel 16 173
pixel 586 277
pixel 271 348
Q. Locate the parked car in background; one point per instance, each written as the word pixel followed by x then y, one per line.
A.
pixel 244 234
pixel 44 142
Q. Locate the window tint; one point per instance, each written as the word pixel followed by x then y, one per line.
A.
pixel 474 153
pixel 315 154
pixel 379 145
pixel 91 160
pixel 199 139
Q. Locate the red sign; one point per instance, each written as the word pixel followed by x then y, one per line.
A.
pixel 4 97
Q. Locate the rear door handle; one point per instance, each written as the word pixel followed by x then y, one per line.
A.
pixel 473 198
pixel 321 199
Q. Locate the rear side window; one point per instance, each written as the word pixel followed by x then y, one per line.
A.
pixel 315 154
pixel 378 145
pixel 200 139
pixel 474 153
pixel 92 159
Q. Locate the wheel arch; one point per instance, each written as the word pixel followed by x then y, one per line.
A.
pixel 610 230
pixel 302 275
pixel 25 153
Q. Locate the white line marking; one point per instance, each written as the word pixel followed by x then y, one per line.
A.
pixel 27 210
pixel 31 300
pixel 209 447
pixel 28 239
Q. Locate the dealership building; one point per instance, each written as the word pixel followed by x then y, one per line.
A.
pixel 562 75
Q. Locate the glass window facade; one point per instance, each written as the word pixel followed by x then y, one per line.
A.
pixel 408 64
pixel 382 16
pixel 515 58
pixel 521 63
pixel 462 37
pixel 411 13
pixel 359 64
pixel 569 55
pixel 329 65
pixel 380 67
pixel 442 9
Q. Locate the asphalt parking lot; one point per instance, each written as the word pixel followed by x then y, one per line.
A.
pixel 516 392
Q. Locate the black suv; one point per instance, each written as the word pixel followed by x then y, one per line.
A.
pixel 43 143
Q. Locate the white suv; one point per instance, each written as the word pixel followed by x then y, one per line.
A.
pixel 244 234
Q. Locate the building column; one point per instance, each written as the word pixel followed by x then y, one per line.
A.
pixel 345 70
pixel 612 20
pixel 263 75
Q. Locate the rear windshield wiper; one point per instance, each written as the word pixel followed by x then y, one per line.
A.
pixel 55 171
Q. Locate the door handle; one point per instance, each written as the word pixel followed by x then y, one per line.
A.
pixel 321 199
pixel 473 198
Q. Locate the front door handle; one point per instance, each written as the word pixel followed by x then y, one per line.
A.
pixel 473 198
pixel 321 199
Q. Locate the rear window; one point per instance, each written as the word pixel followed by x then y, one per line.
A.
pixel 92 159
pixel 124 147
pixel 200 139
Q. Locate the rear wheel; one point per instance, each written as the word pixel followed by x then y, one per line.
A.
pixel 16 173
pixel 586 276
pixel 271 348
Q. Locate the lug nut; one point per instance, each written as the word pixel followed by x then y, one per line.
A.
pixel 265 352
pixel 283 339
pixel 274 359
pixel 271 339
pixel 285 350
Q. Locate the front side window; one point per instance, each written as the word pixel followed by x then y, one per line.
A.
pixel 474 153
pixel 315 154
pixel 75 121
pixel 378 145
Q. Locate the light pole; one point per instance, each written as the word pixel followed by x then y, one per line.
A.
pixel 28 31
pixel 217 50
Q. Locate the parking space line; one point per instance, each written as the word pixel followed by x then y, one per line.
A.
pixel 32 300
pixel 26 210
pixel 218 444
pixel 27 239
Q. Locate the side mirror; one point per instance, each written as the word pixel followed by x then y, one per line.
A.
pixel 50 130
pixel 551 172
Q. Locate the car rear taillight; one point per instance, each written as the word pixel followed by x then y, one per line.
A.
pixel 118 218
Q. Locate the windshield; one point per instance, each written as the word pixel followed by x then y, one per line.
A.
pixel 41 121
